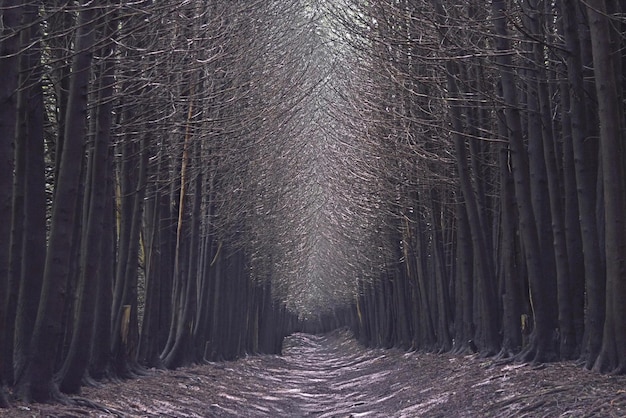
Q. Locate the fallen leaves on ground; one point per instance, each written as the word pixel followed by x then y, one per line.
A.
pixel 333 376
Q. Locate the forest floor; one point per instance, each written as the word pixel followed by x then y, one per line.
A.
pixel 333 376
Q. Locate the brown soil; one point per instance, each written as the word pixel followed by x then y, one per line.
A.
pixel 332 376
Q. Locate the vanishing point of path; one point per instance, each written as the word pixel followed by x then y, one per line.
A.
pixel 332 376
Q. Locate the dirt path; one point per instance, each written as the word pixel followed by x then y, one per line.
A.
pixel 332 376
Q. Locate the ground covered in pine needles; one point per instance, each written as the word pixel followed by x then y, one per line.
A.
pixel 332 376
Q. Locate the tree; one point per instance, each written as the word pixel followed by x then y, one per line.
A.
pixel 612 356
pixel 541 347
pixel 77 359
pixel 9 65
pixel 36 382
pixel 30 166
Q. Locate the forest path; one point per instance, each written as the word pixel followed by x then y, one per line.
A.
pixel 326 376
pixel 333 376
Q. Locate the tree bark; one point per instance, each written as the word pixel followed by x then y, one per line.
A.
pixel 585 154
pixel 100 354
pixel 124 327
pixel 542 347
pixel 181 347
pixel 29 148
pixel 77 359
pixel 9 64
pixel 555 236
pixel 37 382
pixel 612 356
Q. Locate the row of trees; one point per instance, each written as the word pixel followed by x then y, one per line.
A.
pixel 187 181
pixel 501 125
pixel 137 157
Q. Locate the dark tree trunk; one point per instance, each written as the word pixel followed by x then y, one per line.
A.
pixel 9 64
pixel 555 236
pixel 100 355
pixel 486 321
pixel 440 275
pixel 427 327
pixel 585 154
pixel 36 383
pixel 572 221
pixel 28 15
pixel 177 279
pixel 77 359
pixel 207 270
pixel 180 351
pixel 29 148
pixel 510 270
pixel 149 349
pixel 124 327
pixel 612 356
pixel 464 299
pixel 542 347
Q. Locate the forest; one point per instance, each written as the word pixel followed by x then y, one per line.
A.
pixel 184 181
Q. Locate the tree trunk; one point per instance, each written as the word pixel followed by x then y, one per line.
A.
pixel 573 220
pixel 77 359
pixel 36 383
pixel 464 299
pixel 29 148
pixel 612 356
pixel 542 347
pixel 427 327
pixel 486 328
pixel 100 355
pixel 585 154
pixel 149 348
pixel 9 64
pixel 512 312
pixel 124 327
pixel 440 276
pixel 556 234
pixel 180 351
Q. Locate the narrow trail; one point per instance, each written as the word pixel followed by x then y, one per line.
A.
pixel 333 376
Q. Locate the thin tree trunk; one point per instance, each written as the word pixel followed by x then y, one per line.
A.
pixel 149 348
pixel 427 325
pixel 125 332
pixel 440 276
pixel 464 301
pixel 512 338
